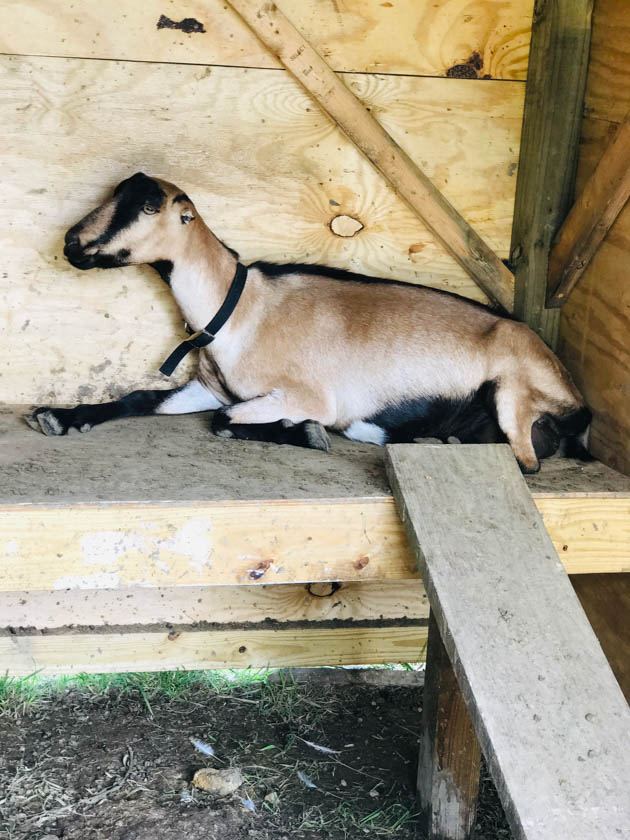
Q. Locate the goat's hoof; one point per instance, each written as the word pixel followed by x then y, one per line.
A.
pixel 46 421
pixel 221 424
pixel 529 468
pixel 316 436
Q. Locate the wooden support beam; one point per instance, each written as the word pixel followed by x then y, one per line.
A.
pixel 549 715
pixel 450 758
pixel 600 202
pixel 554 96
pixel 349 113
pixel 138 648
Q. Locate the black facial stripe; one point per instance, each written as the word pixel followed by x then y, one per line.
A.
pixel 132 195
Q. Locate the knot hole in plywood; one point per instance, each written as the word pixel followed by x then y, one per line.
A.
pixel 345 226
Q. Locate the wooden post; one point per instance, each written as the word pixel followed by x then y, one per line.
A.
pixel 450 758
pixel 556 80
pixel 591 217
pixel 411 184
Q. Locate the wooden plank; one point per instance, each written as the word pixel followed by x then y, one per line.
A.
pixel 60 116
pixel 316 602
pixel 608 87
pixel 551 125
pixel 163 649
pixel 589 220
pixel 255 543
pixel 594 344
pixel 450 758
pixel 549 714
pixel 410 36
pixel 606 602
pixel 595 321
pixel 224 543
pixel 358 123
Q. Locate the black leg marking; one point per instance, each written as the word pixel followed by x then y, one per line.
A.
pixel 82 418
pixel 309 434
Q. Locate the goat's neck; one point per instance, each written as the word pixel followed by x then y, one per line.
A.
pixel 201 276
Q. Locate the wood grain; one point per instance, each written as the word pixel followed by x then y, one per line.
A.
pixel 595 321
pixel 73 129
pixel 597 206
pixel 450 758
pixel 608 87
pixel 422 37
pixel 379 600
pixel 139 649
pixel 362 127
pixel 549 714
pixel 606 602
pixel 231 543
pixel 549 147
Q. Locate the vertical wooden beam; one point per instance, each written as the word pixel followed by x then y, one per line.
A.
pixel 558 62
pixel 450 758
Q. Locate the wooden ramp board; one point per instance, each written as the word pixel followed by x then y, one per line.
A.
pixel 550 717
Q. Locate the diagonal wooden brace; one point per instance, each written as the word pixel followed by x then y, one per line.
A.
pixel 349 113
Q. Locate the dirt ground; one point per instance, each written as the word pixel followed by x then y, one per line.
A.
pixel 116 762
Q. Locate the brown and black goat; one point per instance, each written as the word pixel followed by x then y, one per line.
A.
pixel 309 347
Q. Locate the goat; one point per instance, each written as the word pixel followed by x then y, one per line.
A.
pixel 308 347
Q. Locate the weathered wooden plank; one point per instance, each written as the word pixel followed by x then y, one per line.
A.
pixel 606 602
pixel 450 758
pixel 73 129
pixel 348 112
pixel 232 543
pixel 185 648
pixel 410 36
pixel 599 203
pixel 316 602
pixel 551 126
pixel 549 714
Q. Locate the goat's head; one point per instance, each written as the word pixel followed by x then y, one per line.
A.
pixel 143 222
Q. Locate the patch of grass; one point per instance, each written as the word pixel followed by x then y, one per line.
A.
pixel 345 819
pixel 19 695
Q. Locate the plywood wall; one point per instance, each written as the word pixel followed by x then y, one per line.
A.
pixel 91 95
pixel 595 324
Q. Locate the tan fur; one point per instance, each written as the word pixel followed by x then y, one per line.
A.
pixel 309 347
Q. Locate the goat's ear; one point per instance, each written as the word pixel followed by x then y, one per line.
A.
pixel 187 216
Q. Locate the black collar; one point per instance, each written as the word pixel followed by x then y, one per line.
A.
pixel 207 335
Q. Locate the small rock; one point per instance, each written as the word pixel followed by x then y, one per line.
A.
pixel 219 782
pixel 272 799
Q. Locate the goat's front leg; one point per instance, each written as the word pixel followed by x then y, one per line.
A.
pixel 274 418
pixel 187 399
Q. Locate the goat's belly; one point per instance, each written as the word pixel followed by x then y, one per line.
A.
pixel 371 389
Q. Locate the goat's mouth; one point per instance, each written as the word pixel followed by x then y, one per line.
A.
pixel 79 259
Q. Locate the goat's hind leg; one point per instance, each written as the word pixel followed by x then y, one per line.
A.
pixel 187 399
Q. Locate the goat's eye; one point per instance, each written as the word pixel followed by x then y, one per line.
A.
pixel 149 209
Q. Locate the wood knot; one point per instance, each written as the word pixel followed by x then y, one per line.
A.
pixel 361 562
pixel 345 226
pixel 323 590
